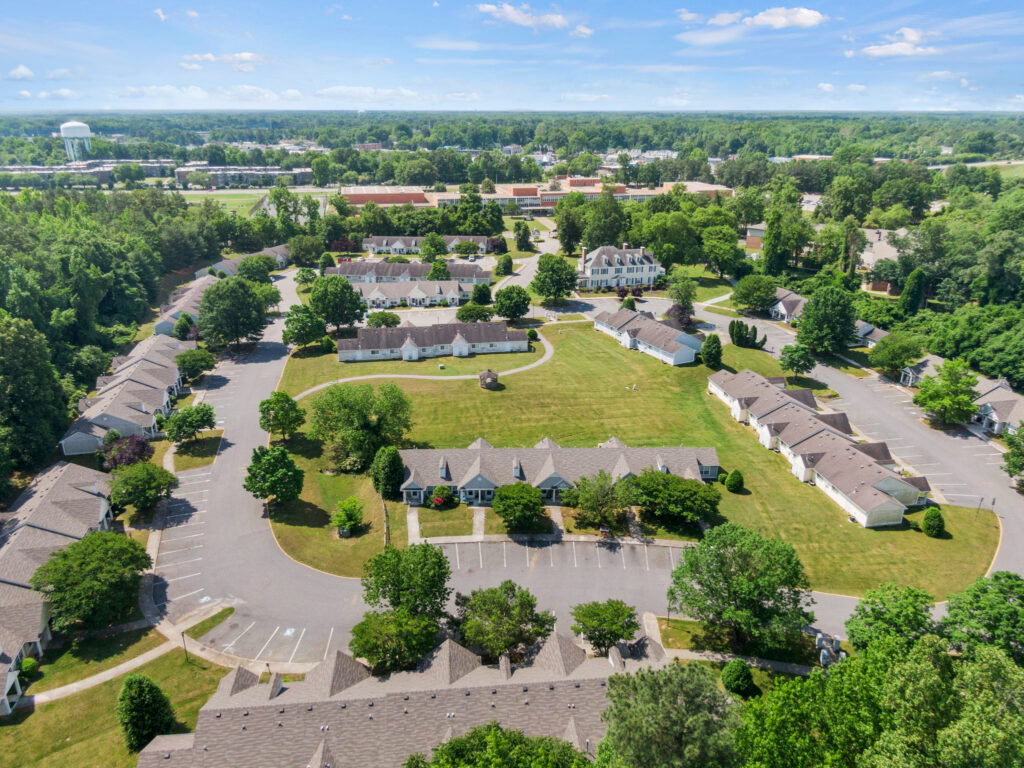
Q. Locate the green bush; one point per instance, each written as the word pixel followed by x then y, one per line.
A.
pixel 736 677
pixel 143 710
pixel 441 497
pixel 734 481
pixel 327 344
pixel 933 523
pixel 29 669
pixel 532 334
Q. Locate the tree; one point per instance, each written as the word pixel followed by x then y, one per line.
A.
pixel 256 268
pixel 752 587
pixel 721 250
pixel 604 624
pixel 348 515
pixel 670 497
pixel 502 619
pixel 1013 459
pixel 598 499
pixel 555 279
pixel 673 717
pixel 326 262
pixel 743 335
pixel 383 319
pixel 268 295
pixel 439 271
pixel 734 481
pixel 522 233
pixel 473 313
pixel 387 471
pixel 183 327
pixel 32 403
pixel 231 311
pixel 141 485
pixel 736 678
pixel 92 582
pixel 280 414
pixel 273 475
pixel 504 265
pixel 797 358
pixel 194 362
pixel 185 424
pixel 304 250
pixel 711 352
pixel 891 611
pixel 913 293
pixel 989 612
pixel 570 223
pixel 357 421
pixel 827 322
pixel 605 221
pixel 519 505
pixel 492 745
pixel 303 325
pixel 336 301
pixel 754 292
pixel 466 248
pixel 682 290
pixel 124 451
pixel 198 180
pixel 949 396
pixel 481 294
pixel 432 246
pixel 628 303
pixel 512 302
pixel 933 525
pixel 305 276
pixel 393 640
pixel 894 352
pixel 413 580
pixel 144 711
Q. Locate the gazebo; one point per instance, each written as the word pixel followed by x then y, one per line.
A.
pixel 488 379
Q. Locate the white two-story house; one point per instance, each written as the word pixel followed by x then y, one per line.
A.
pixel 609 266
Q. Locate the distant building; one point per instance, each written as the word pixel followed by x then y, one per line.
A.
pixel 640 331
pixel 413 293
pixel 788 305
pixel 395 272
pixel 403 244
pixel 371 146
pixel 755 236
pixel 261 175
pixel 408 342
pixel 610 266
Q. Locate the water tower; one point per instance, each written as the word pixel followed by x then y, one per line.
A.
pixel 77 139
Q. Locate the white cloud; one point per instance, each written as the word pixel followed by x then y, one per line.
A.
pixel 581 30
pixel 849 54
pixel 906 42
pixel 725 18
pixel 60 93
pixel 688 17
pixel 192 14
pixel 826 87
pixel 523 16
pixel 714 36
pixel 246 93
pixel 856 87
pixel 24 94
pixel 782 18
pixel 199 57
pixel 160 14
pixel 444 44
pixel 387 61
pixel 243 62
pixel 584 98
pixel 59 74
pixel 364 94
pixel 21 72
pixel 189 65
pixel 436 4
pixel 291 94
pixel 164 92
pixel 461 96
pixel 1017 98
pixel 673 102
pixel 937 76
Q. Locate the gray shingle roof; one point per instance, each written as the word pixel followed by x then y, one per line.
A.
pixel 413 270
pixel 610 256
pixel 413 289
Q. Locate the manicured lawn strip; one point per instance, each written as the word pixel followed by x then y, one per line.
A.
pixel 495 525
pixel 457 521
pixel 764 679
pixel 718 309
pixel 81 731
pixel 303 528
pixel 399 523
pixel 197 453
pixel 303 372
pixel 571 526
pixel 584 395
pixel 692 635
pixel 857 354
pixel 196 631
pixel 185 401
pixel 662 529
pixel 709 285
pixel 90 656
pixel 160 447
pixel 238 202
pixel 509 222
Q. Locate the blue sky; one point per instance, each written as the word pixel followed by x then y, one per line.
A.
pixel 442 54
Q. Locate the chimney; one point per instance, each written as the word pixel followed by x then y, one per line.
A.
pixel 583 252
pixel 625 246
pixel 505 666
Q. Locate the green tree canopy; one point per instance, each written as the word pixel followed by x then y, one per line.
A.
pixel 413 580
pixel 387 472
pixel 605 624
pixel 383 319
pixel 752 587
pixel 393 640
pixel 433 245
pixel 894 352
pixel 502 619
pixel 490 746
pixel 827 321
pixel 303 325
pixel 335 300
pixel 599 500
pixel 256 268
pixel 890 611
pixel 949 396
pixel 231 311
pixel 555 278
pixel 481 294
pixel 273 475
pixel 754 292
pixel 605 222
pixel 280 414
pixel 989 612
pixel 186 423
pixel 193 362
pixel 668 496
pixel 682 289
pixel 519 505
pixel 512 302
pixel 711 352
pixel 141 485
pixel 94 582
pixel 473 313
pixel 797 358
pixel 439 271
pixel 357 420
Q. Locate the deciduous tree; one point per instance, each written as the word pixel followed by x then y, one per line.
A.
pixel 414 580
pixel 827 321
pixel 393 640
pixel 272 475
pixel 754 292
pixel 387 472
pixel 519 505
pixel 512 302
pixel 383 319
pixel 891 611
pixel 671 497
pixel 492 745
pixel 280 414
pixel 186 423
pixel 473 313
pixel 989 612
pixel 605 624
pixel 141 485
pixel 193 362
pixel 797 358
pixel 231 311
pixel 336 301
pixel 358 420
pixel 439 271
pixel 949 396
pixel 502 619
pixel 303 325
pixel 894 352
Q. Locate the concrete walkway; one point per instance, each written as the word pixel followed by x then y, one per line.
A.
pixel 478 522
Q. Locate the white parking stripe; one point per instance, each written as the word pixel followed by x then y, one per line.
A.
pixel 182 538
pixel 598 548
pixel 504 560
pixel 183 549
pixel 457 565
pixel 190 576
pixel 622 551
pixel 182 597
pixel 480 551
pixel 185 514
pixel 574 563
pixel 646 559
pixel 328 648
pixel 183 562
pixel 296 650
pixel 268 642
pixel 240 636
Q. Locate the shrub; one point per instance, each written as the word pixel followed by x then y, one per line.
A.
pixel 736 677
pixel 327 344
pixel 734 481
pixel 933 523
pixel 29 668
pixel 143 710
pixel 441 497
pixel 532 334
pixel 348 516
pixel 519 505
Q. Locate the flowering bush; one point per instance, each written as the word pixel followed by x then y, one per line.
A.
pixel 441 497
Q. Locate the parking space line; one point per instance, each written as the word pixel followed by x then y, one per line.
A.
pixel 504 559
pixel 328 648
pixel 190 576
pixel 622 551
pixel 598 548
pixel 185 514
pixel 950 485
pixel 191 493
pixel 183 549
pixel 182 538
pixel 480 550
pixel 526 549
pixel 962 495
pixel 672 557
pixel 296 649
pixel 240 636
pixel 574 563
pixel 929 464
pixel 646 559
pixel 182 597
pixel 183 562
pixel 272 634
pixel 457 565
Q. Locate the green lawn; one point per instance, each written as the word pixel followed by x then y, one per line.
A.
pixel 241 203
pixel 718 309
pixel 307 370
pixel 1011 171
pixel 584 395
pixel 509 223
pixel 303 528
pixel 495 525
pixel 81 731
pixel 693 636
pixel 457 521
pixel 160 447
pixel 709 285
pixel 196 631
pixel 90 656
pixel 200 452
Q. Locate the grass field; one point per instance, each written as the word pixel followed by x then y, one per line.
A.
pixel 510 222
pixel 584 395
pixel 457 521
pixel 1011 171
pixel 717 309
pixel 211 622
pixel 90 656
pixel 691 635
pixel 240 202
pixel 307 370
pixel 81 731
pixel 709 285
pixel 197 453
